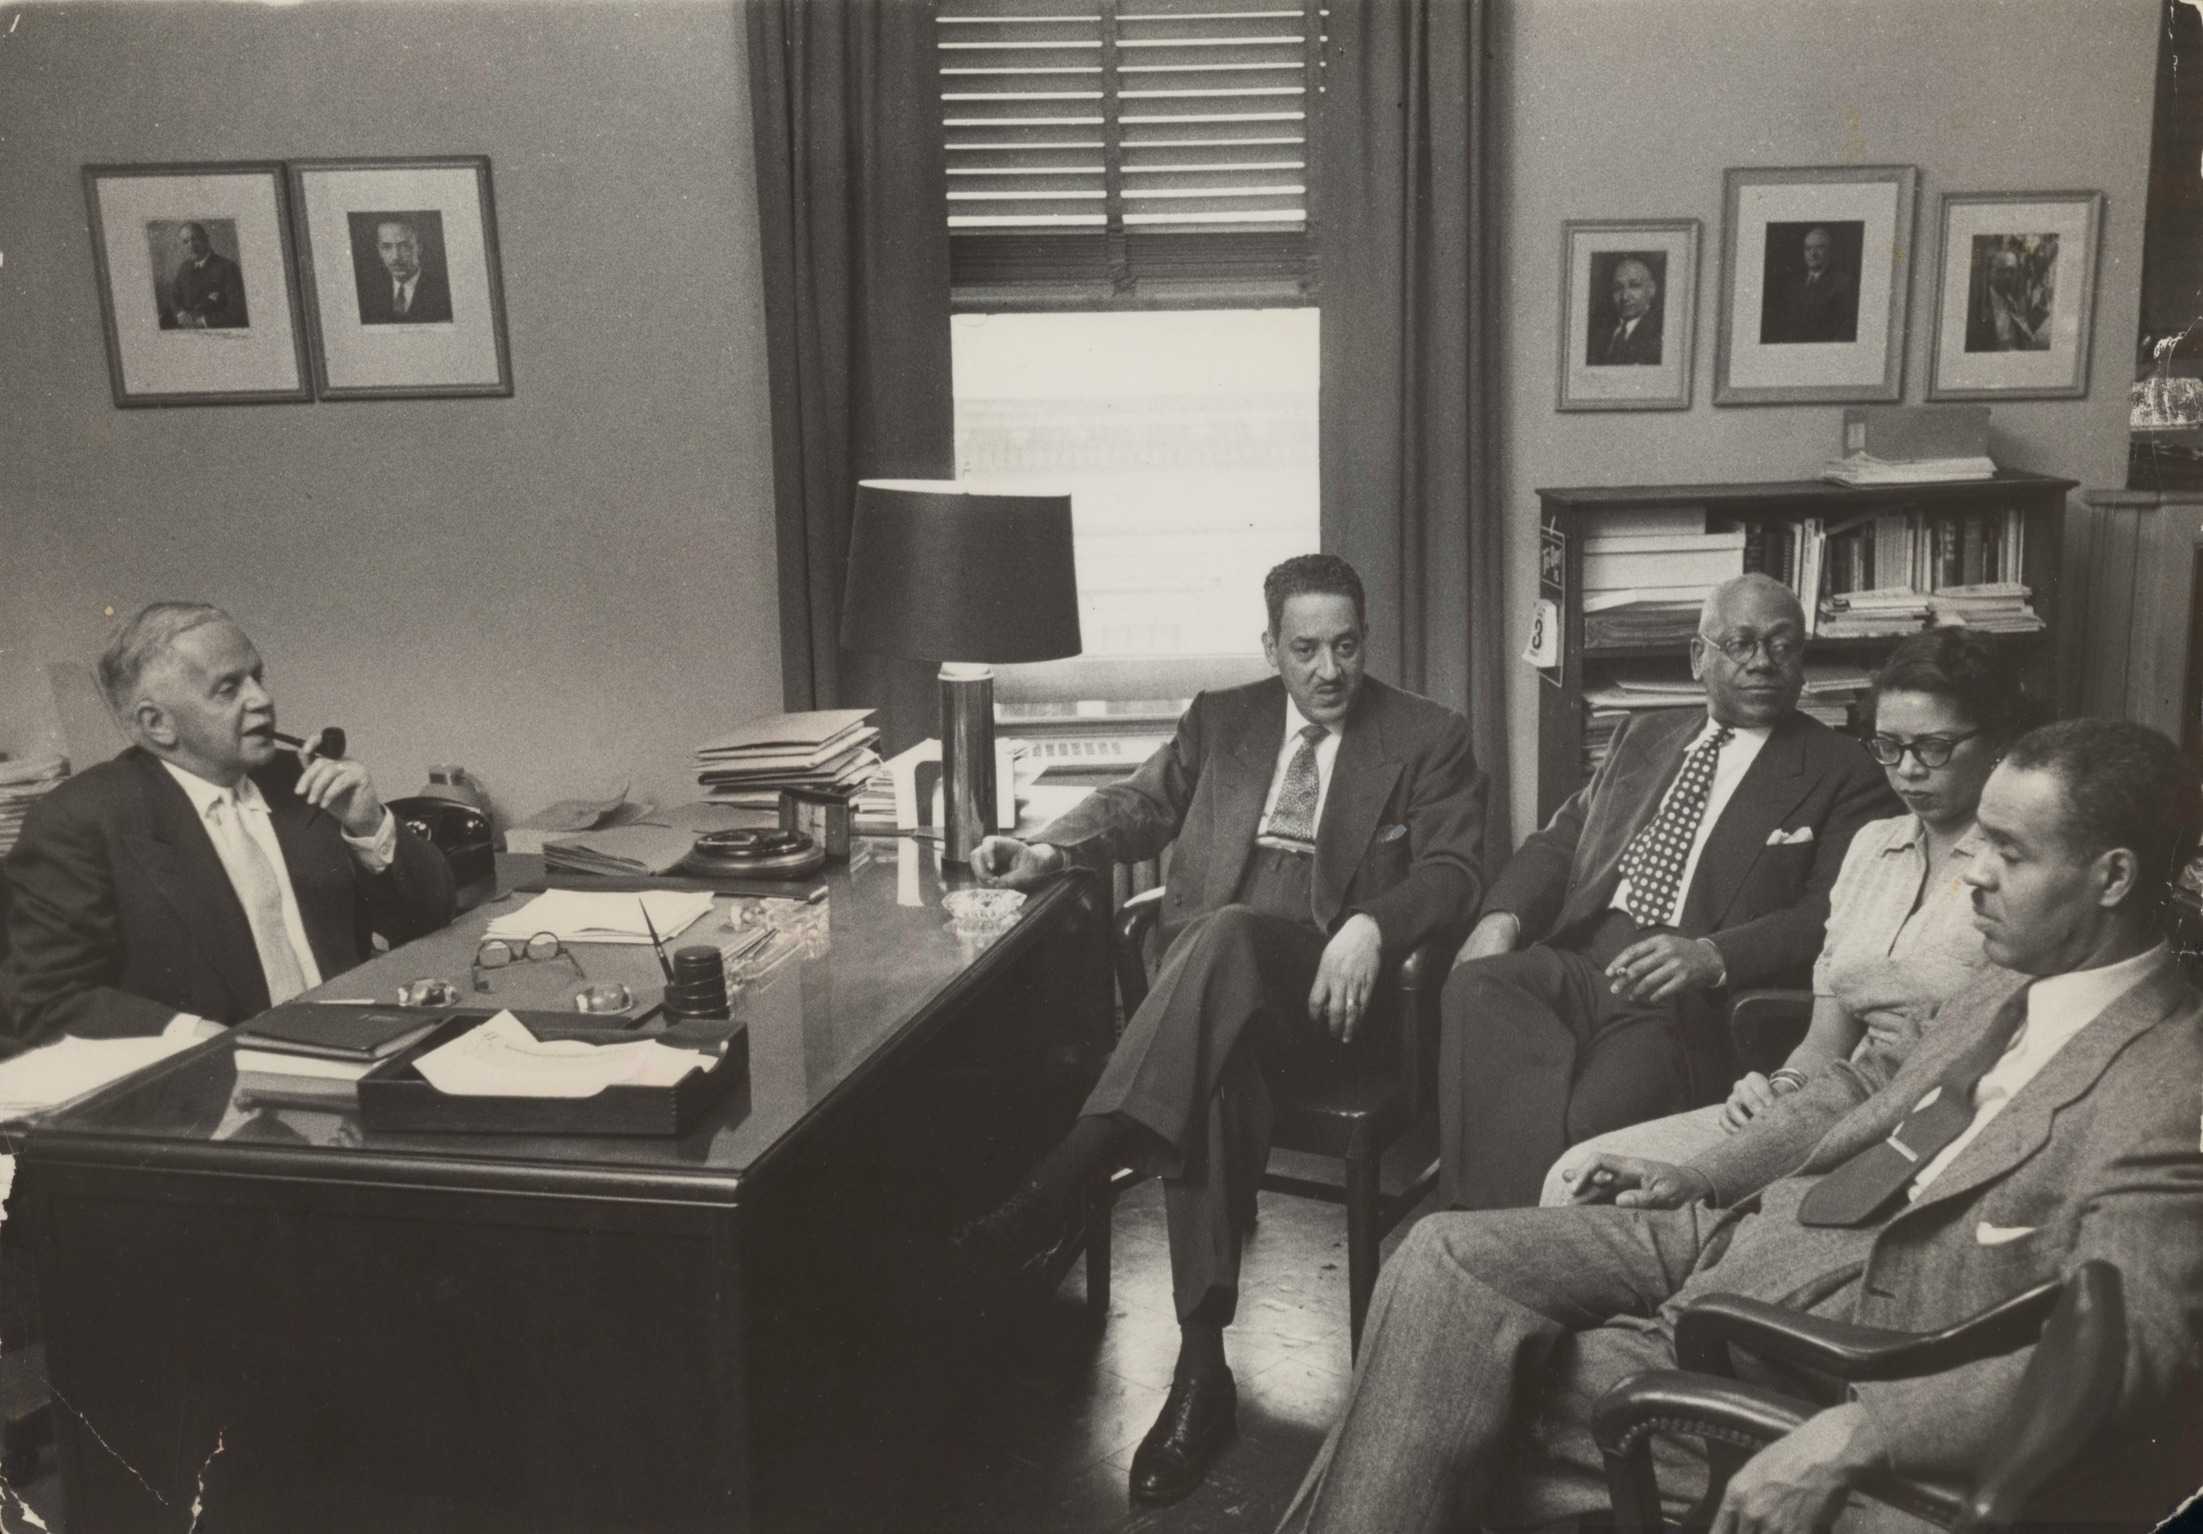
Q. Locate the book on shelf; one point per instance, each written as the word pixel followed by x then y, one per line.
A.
pixel 1866 469
pixel 1661 559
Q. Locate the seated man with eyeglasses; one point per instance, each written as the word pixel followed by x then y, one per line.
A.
pixel 204 874
pixel 1697 861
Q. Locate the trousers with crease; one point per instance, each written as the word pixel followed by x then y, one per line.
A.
pixel 1228 1005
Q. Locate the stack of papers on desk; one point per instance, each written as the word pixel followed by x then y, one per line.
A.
pixel 829 749
pixel 581 916
pixel 568 816
pixel 59 1073
pixel 623 851
pixel 503 1059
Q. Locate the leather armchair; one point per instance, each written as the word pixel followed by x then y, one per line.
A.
pixel 2070 1382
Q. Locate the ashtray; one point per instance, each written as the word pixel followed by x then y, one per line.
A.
pixel 982 907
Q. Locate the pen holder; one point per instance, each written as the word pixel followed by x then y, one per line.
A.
pixel 699 984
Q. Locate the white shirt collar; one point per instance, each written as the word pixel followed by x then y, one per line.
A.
pixel 1758 732
pixel 205 795
pixel 1296 721
pixel 2062 1005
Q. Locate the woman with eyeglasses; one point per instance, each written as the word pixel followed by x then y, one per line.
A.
pixel 1901 937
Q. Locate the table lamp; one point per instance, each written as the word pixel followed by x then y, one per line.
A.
pixel 938 572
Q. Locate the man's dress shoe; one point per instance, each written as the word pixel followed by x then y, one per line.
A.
pixel 1198 1418
pixel 1021 1241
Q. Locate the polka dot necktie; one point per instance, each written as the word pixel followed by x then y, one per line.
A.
pixel 1653 862
pixel 1294 819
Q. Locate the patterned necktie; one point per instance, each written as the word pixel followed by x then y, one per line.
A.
pixel 1653 862
pixel 1294 819
pixel 261 894
pixel 397 299
pixel 1859 1189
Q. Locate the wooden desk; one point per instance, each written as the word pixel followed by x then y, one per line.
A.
pixel 312 1326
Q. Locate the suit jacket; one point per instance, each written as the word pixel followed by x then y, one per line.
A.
pixel 213 292
pixel 1402 831
pixel 1764 906
pixel 1640 348
pixel 121 914
pixel 1827 310
pixel 2097 1157
pixel 431 300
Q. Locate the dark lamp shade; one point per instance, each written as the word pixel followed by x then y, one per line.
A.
pixel 938 573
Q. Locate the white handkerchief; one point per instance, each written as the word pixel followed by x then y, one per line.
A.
pixel 1989 1233
pixel 1798 838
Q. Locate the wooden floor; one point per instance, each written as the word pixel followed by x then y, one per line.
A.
pixel 1047 1443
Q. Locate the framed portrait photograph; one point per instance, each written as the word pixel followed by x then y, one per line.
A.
pixel 1628 314
pixel 404 297
pixel 196 285
pixel 1815 267
pixel 2015 295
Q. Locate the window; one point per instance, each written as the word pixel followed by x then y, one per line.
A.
pixel 1128 152
pixel 1187 441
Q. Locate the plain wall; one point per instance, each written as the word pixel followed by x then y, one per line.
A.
pixel 563 590
pixel 1626 109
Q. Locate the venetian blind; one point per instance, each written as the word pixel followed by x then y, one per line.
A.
pixel 1128 150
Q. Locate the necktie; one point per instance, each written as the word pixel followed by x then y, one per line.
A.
pixel 261 893
pixel 397 300
pixel 1654 859
pixel 1294 819
pixel 1858 1190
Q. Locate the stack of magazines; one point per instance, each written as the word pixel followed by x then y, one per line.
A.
pixel 822 749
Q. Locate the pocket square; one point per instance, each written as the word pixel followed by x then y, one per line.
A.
pixel 1802 836
pixel 1989 1233
pixel 1391 833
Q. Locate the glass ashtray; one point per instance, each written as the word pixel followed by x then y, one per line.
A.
pixel 982 907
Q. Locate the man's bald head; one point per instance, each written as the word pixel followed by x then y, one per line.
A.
pixel 1749 652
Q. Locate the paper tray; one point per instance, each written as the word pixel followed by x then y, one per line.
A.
pixel 395 1096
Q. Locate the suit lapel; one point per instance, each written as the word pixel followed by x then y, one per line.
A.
pixel 1362 775
pixel 2024 1125
pixel 178 857
pixel 1769 790
pixel 1243 772
pixel 1640 781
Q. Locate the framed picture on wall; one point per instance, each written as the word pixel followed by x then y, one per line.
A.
pixel 196 285
pixel 1628 314
pixel 404 298
pixel 2015 295
pixel 1815 272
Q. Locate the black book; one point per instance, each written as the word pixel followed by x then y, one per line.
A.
pixel 336 1032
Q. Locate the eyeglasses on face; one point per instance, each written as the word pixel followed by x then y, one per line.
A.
pixel 497 953
pixel 1741 645
pixel 1928 750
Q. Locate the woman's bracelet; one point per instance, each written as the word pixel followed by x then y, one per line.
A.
pixel 1786 1079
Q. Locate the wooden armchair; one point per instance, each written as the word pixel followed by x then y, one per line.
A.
pixel 2070 1382
pixel 1353 1118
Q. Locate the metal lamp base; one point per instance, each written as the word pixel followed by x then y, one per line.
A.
pixel 967 760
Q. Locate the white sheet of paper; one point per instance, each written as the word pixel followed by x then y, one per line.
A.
pixel 587 916
pixel 69 1067
pixel 503 1059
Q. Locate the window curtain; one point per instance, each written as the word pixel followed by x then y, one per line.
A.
pixel 1404 202
pixel 850 197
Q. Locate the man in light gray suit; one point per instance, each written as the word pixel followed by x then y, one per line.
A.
pixel 2066 1131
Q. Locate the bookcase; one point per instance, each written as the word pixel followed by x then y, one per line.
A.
pixel 1929 538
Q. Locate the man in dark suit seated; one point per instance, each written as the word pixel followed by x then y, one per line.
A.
pixel 1819 302
pixel 2048 1119
pixel 1324 825
pixel 203 874
pixel 1696 861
